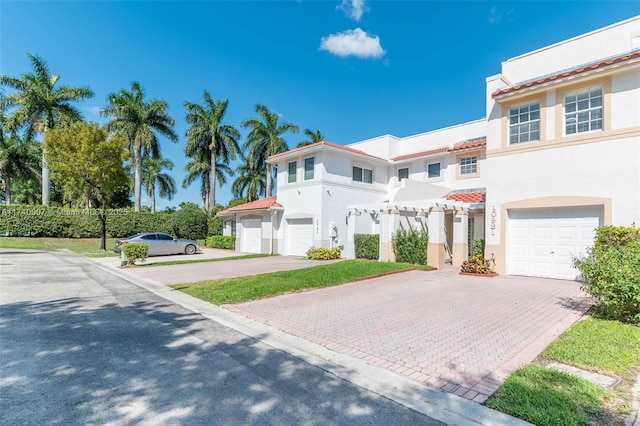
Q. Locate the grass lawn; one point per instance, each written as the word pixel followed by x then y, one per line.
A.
pixel 89 247
pixel 548 397
pixel 235 290
pixel 220 259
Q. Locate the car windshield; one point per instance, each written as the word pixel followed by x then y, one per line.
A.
pixel 132 236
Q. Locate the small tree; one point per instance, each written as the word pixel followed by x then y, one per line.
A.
pixel 84 157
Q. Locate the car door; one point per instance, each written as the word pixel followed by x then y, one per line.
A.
pixel 168 244
pixel 152 241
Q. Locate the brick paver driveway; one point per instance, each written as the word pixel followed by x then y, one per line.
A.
pixel 458 333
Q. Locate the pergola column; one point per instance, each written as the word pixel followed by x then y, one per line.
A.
pixel 437 238
pixel 349 245
pixel 389 226
pixel 460 237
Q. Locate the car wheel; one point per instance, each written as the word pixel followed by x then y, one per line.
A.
pixel 190 249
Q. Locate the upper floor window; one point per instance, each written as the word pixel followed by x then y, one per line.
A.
pixel 583 111
pixel 292 171
pixel 469 165
pixel 524 123
pixel 433 170
pixel 308 168
pixel 403 173
pixel 362 175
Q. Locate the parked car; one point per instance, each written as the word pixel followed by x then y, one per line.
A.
pixel 159 244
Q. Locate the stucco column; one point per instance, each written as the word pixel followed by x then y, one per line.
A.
pixel 349 251
pixel 435 249
pixel 390 221
pixel 460 237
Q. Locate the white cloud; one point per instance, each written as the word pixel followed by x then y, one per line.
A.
pixel 95 110
pixel 353 43
pixel 494 15
pixel 353 9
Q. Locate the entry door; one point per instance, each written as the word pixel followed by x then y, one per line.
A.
pixel 543 242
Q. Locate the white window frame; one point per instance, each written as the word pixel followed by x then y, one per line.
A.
pixel 309 171
pixel 295 173
pixel 439 163
pixel 469 165
pixel 583 111
pixel 524 123
pixel 363 174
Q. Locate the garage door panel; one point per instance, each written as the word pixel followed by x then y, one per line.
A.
pixel 299 236
pixel 251 235
pixel 543 242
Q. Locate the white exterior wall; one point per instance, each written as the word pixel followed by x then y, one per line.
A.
pixel 441 137
pixel 625 99
pixel 613 40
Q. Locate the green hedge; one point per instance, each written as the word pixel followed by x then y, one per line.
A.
pixel 218 241
pixel 410 246
pixel 367 246
pixel 191 223
pixel 43 221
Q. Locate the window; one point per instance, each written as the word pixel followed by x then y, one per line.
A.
pixel 362 175
pixel 293 169
pixel 524 123
pixel 149 237
pixel 403 173
pixel 469 165
pixel 308 168
pixel 165 237
pixel 433 170
pixel 583 111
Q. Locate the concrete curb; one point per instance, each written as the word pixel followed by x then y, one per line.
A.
pixel 447 408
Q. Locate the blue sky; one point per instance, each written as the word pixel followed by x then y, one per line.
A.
pixel 354 69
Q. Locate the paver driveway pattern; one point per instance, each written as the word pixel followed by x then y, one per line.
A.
pixel 461 334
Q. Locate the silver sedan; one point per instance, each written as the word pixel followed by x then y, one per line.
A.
pixel 159 244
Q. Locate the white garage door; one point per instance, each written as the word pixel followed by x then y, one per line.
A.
pixel 542 242
pixel 251 235
pixel 299 236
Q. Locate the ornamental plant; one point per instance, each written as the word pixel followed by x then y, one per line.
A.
pixel 135 252
pixel 321 253
pixel 410 246
pixel 478 265
pixel 367 246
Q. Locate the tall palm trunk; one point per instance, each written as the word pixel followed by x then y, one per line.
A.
pixel 212 182
pixel 268 180
pixel 152 193
pixel 46 173
pixel 137 174
pixel 6 179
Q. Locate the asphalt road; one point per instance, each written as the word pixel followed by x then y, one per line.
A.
pixel 80 346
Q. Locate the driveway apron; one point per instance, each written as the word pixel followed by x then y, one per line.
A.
pixel 461 334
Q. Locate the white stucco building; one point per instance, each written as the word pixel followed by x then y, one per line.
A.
pixel 557 155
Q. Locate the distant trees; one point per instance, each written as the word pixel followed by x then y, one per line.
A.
pixel 314 137
pixel 140 121
pixel 153 177
pixel 38 104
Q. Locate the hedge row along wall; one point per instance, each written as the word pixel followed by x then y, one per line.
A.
pixel 43 221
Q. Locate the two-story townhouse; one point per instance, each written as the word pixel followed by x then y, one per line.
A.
pixel 563 149
pixel 557 156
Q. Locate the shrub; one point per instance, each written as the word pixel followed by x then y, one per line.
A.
pixel 478 265
pixel 190 222
pixel 367 246
pixel 218 241
pixel 321 253
pixel 611 272
pixel 477 247
pixel 135 252
pixel 410 246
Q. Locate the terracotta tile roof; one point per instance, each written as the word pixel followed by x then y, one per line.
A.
pixel 421 154
pixel 472 143
pixel 264 203
pixel 325 143
pixel 574 71
pixel 472 197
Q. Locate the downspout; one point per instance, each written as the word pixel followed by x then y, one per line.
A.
pixel 272 214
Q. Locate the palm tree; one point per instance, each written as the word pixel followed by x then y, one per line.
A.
pixel 208 136
pixel 18 158
pixel 265 139
pixel 141 121
pixel 38 105
pixel 250 183
pixel 314 137
pixel 152 175
pixel 201 169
